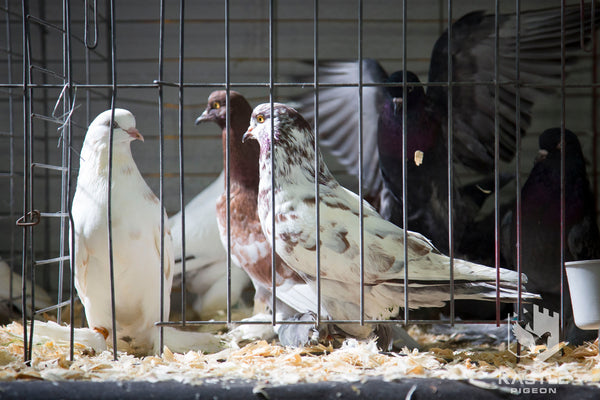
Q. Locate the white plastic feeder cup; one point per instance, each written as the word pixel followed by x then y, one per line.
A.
pixel 584 285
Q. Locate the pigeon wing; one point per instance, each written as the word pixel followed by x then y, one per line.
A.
pixel 339 117
pixel 473 55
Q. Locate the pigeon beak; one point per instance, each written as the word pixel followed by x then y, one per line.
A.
pixel 542 154
pixel 205 116
pixel 397 101
pixel 247 135
pixel 135 134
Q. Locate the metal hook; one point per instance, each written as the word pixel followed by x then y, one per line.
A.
pixel 93 45
pixel 582 25
pixel 34 216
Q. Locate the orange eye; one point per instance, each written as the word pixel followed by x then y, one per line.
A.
pixel 260 118
pixel 216 105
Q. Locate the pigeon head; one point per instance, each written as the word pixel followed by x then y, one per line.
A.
pixel 294 141
pixel 415 94
pixel 217 107
pixel 549 142
pixel 123 124
pixel 242 164
pixel 291 129
pixel 423 133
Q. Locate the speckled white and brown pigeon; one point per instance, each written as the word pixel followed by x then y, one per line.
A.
pixel 136 238
pixel 384 242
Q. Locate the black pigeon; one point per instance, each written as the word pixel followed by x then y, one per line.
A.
pixel 540 224
pixel 473 117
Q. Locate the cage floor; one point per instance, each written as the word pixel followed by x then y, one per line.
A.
pixel 446 365
pixel 371 389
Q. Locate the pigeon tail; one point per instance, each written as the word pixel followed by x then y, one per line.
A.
pixel 62 333
pixel 471 271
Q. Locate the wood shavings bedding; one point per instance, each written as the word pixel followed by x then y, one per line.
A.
pixel 354 362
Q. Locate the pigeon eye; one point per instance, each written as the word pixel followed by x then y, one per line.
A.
pixel 115 125
pixel 216 105
pixel 410 89
pixel 260 118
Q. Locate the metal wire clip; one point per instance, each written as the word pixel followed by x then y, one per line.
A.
pixel 35 216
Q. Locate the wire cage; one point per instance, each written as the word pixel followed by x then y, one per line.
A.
pixel 66 61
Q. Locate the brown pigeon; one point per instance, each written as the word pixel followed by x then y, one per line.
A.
pixel 249 247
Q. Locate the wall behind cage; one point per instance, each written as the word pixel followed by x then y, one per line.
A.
pixel 137 65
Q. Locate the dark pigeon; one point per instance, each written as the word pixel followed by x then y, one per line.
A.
pixel 540 225
pixel 473 118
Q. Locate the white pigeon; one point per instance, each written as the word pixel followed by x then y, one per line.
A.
pixel 206 259
pixel 295 231
pixel 136 237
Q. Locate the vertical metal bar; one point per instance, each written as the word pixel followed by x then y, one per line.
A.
pixel 161 190
pixel 161 129
pixel 228 160
pixel 497 155
pixel 594 107
pixel 562 166
pixel 65 149
pixel 72 229
pixel 71 257
pixel 316 123
pixel 92 45
pixel 11 155
pixel 110 168
pixel 181 163
pixel 518 158
pixel 88 100
pixel 26 177
pixel 31 196
pixel 450 161
pixel 66 175
pixel 271 100
pixel 108 52
pixel 65 37
pixel 46 128
pixel 30 200
pixel 404 160
pixel 360 163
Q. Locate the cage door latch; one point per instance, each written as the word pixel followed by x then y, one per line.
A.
pixel 32 218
